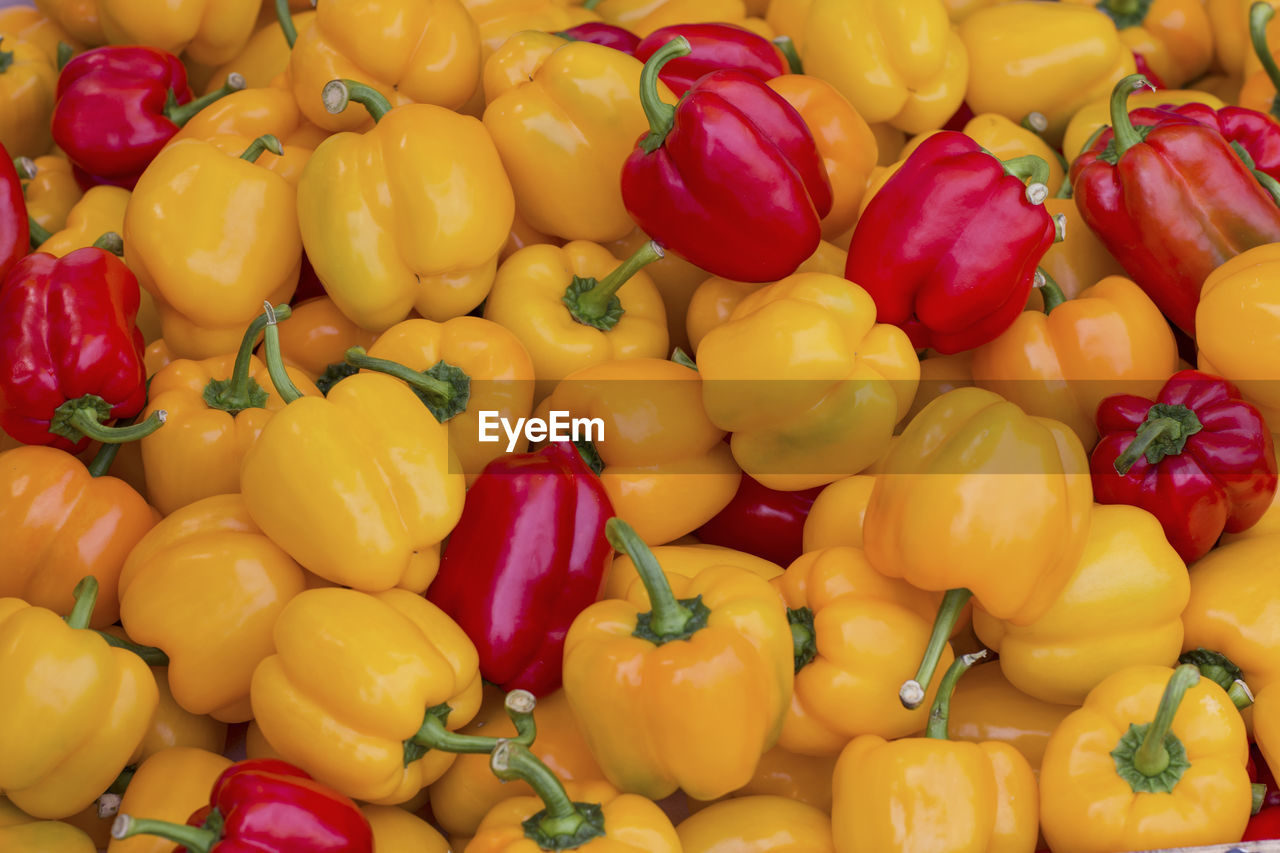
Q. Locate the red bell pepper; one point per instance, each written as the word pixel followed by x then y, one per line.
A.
pixel 713 47
pixel 948 247
pixel 70 352
pixel 14 231
pixel 1198 458
pixel 527 556
pixel 1171 202
pixel 730 179
pixel 1265 823
pixel 762 521
pixel 118 106
pixel 263 806
pixel 604 34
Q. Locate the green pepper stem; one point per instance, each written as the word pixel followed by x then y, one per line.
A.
pixel 180 114
pixel 590 4
pixel 1240 694
pixel 429 385
pixel 337 94
pixel 64 54
pixel 194 838
pixel 1163 433
pixel 111 242
pixel 519 706
pixel 6 57
pixel 86 421
pixel 1146 435
pixel 682 358
pixel 1259 795
pixel 1028 167
pixel 789 53
pixel 1260 14
pixel 1152 756
pixel 1126 135
pixel 912 692
pixel 1050 291
pixel 512 761
pixel 275 361
pixel 285 17
pixel 103 460
pixel 86 596
pixel 670 617
pixel 940 711
pixel 242 391
pixel 25 167
pixel 804 640
pixel 39 234
pixel 661 115
pixel 1036 122
pixel 266 142
pixel 149 654
pixel 595 303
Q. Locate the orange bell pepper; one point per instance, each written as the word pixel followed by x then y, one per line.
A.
pixel 675 278
pixel 938 375
pixel 175 727
pixel 316 339
pixel 1078 260
pixel 803 778
pixel 1174 37
pixel 31 25
pixel 169 785
pixel 987 707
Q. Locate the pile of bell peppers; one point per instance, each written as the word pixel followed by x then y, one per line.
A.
pixel 639 425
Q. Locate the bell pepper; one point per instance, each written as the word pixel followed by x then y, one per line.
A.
pixel 443 264
pixel 961 265
pixel 1051 58
pixel 712 46
pixel 1079 260
pixel 597 819
pixel 498 20
pixel 407 50
pixel 1111 339
pixel 15 235
pixel 380 732
pixel 666 467
pixel 98 212
pixel 730 179
pixel 395 830
pixel 245 216
pixel 174 727
pixel 803 778
pixel 1154 758
pixel 574 306
pixel 28 79
pixel 264 59
pixel 468 790
pixel 938 375
pixel 564 115
pixel 675 278
pixel 606 35
pixel 856 635
pixel 527 556
pixel 1261 73
pixel 1197 456
pixel 987 707
pixel 263 805
pixel 1120 608
pixel 46 836
pixel 208 32
pixel 78 708
pixel 679 654
pixel 79 18
pixel 761 521
pixel 62 523
pixel 932 793
pixel 756 825
pixel 807 381
pixel 1229 20
pixel 1174 38
pixel 685 561
pixel 1095 117
pixel 72 357
pixel 50 190
pixel 31 25
pixel 644 16
pixel 837 512
pixel 118 106
pixel 1158 180
pixel 1266 729
pixel 317 337
pixel 168 786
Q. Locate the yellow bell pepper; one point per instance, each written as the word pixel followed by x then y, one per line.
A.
pixel 370 444
pixel 1229 20
pixel 1096 113
pixel 45 836
pixel 410 215
pixel 1266 725
pixel 175 727
pixel 397 831
pixel 98 211
pixel 318 336
pixel 931 793
pixel 987 707
pixel 1120 608
pixel 612 312
pixel 76 707
pixel 50 190
pixel 264 60
pixel 856 635
pixel 410 51
pixel 806 380
pixel 757 824
pixel 31 25
pixel 938 375
pixel 1051 58
pixel 210 236
pixel 696 713
pixel 1141 767
pixel 565 116
pixel 667 470
pixel 209 32
pixel 79 18
pixel 28 81
pixel 215 626
pixel 1174 37
pixel 675 278
pixel 685 561
pixel 896 62
pixel 498 20
pixel 1238 326
pixel 362 688
pixel 803 778
pixel 1079 260
pixel 836 515
pixel 644 16
pixel 169 785
pixel 1111 339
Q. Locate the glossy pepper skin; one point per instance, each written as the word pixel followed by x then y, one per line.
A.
pixel 959 268
pixel 264 805
pixel 605 35
pixel 1168 181
pixel 50 191
pixel 1197 456
pixel 729 179
pixel 1174 38
pixel 396 830
pixel 987 707
pixel 761 521
pixel 116 108
pixel 318 335
pixel 169 786
pixel 713 46
pixel 208 32
pixel 28 80
pixel 526 557
pixel 15 235
pixel 498 20
pixel 1266 730
pixel 757 824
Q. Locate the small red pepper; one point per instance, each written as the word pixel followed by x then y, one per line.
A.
pixel 14 230
pixel 713 47
pixel 730 178
pixel 608 35
pixel 118 106
pixel 71 355
pixel 1198 458
pixel 762 521
pixel 527 556
pixel 263 805
pixel 948 247
pixel 1171 202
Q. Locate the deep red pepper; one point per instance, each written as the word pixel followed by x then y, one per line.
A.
pixel 608 35
pixel 1171 202
pixel 264 805
pixel 730 179
pixel 527 556
pixel 14 230
pixel 713 47
pixel 762 521
pixel 949 245
pixel 70 350
pixel 118 106
pixel 1198 458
